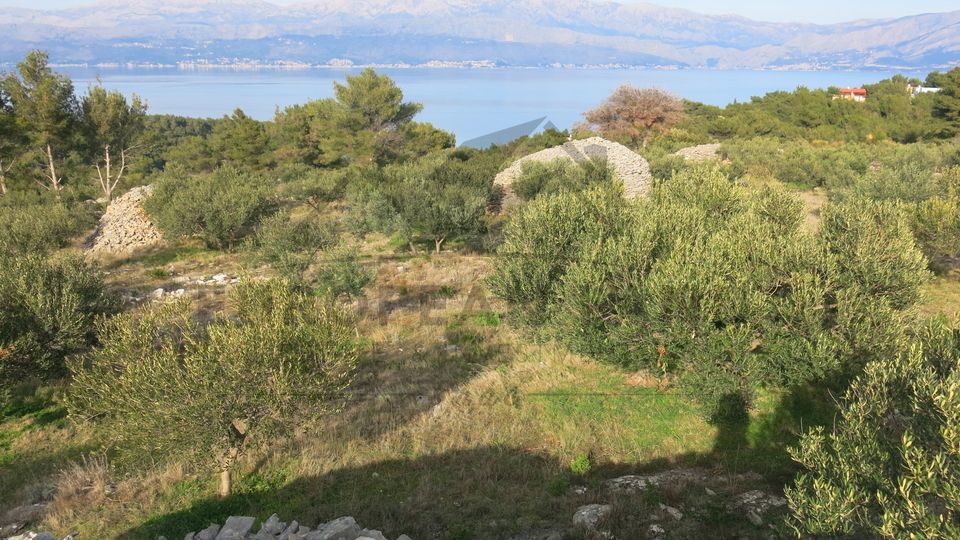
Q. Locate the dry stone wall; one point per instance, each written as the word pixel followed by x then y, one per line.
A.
pixel 631 168
pixel 125 227
pixel 241 528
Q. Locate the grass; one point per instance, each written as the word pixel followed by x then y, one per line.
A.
pixel 456 426
pixel 942 297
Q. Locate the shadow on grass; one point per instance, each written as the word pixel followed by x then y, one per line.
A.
pixel 491 491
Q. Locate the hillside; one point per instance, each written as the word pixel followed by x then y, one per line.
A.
pixel 458 32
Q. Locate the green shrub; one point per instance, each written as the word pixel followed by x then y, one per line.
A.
pixel 936 226
pixel 163 387
pixel 47 312
pixel 313 186
pixel 541 241
pixel 581 465
pixel 342 272
pixel 219 208
pixel 910 183
pixel 40 228
pixel 713 282
pixel 889 467
pixel 873 248
pixel 290 246
pixel 541 179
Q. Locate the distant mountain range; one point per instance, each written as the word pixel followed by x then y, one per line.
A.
pixel 516 33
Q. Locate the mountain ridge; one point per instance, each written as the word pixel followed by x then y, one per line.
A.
pixel 579 32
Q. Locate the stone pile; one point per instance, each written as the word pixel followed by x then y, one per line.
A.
pixel 41 536
pixel 241 528
pixel 703 152
pixel 631 168
pixel 124 227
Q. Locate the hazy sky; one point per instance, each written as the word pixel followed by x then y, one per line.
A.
pixel 816 11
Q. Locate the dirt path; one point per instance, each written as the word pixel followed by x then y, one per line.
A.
pixel 813 199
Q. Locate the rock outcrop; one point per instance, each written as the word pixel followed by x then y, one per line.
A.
pixel 703 152
pixel 241 528
pixel 124 227
pixel 631 168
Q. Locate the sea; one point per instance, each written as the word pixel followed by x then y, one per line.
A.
pixel 468 102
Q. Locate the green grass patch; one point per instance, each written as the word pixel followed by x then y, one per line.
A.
pixel 7 437
pixel 166 255
pixel 642 418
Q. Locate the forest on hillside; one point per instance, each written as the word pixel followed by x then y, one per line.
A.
pixel 816 347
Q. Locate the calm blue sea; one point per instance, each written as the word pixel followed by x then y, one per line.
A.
pixel 468 102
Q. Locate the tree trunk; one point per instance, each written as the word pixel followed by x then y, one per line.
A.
pixel 108 188
pixel 3 180
pixel 438 242
pixel 226 475
pixel 54 181
pixel 226 484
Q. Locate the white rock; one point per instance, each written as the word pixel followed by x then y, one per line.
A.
pixel 342 528
pixel 591 514
pixel 210 533
pixel 236 528
pixel 673 512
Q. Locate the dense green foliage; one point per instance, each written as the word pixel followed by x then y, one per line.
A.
pixel 163 386
pixel 889 467
pixel 290 246
pixel 713 282
pixel 889 112
pixel 443 195
pixel 540 178
pixel 367 122
pixel 40 228
pixel 219 208
pixel 47 312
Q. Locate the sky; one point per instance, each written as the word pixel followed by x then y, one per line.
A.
pixel 815 11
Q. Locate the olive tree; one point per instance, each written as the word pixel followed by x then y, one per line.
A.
pixel 163 385
pixel 219 208
pixel 713 282
pixel 47 312
pixel 890 467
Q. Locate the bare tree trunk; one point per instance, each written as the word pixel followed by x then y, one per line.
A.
pixel 54 180
pixel 226 475
pixel 438 242
pixel 226 484
pixel 107 181
pixel 3 180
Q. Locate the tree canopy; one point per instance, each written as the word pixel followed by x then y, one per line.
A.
pixel 635 114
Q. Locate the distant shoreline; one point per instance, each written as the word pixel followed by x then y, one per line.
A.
pixel 467 66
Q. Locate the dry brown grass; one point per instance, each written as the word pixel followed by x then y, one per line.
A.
pixel 448 406
pixel 814 200
pixel 942 297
